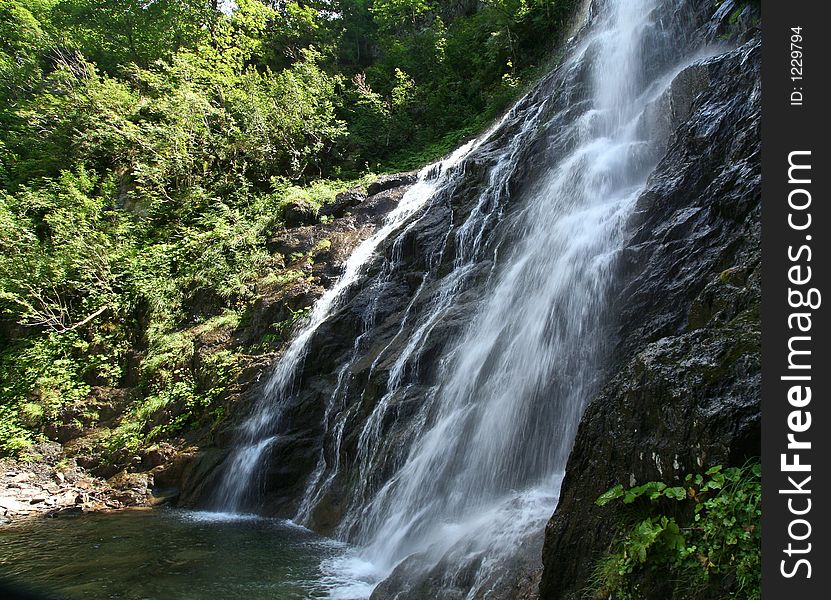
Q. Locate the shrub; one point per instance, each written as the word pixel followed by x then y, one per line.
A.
pixel 703 534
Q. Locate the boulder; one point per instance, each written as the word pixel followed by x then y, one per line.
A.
pixel 299 213
pixel 388 182
pixel 343 202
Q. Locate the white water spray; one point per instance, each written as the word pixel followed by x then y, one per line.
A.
pixel 253 437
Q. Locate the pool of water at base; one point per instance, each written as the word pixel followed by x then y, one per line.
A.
pixel 171 554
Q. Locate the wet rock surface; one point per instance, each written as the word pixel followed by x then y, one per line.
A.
pixel 388 182
pixel 517 577
pixel 316 255
pixel 684 392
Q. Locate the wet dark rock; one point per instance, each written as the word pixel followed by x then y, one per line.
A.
pixel 734 20
pixel 163 496
pixel 344 202
pixel 187 474
pixel 684 392
pixel 454 575
pixel 388 182
pixel 410 581
pixel 674 106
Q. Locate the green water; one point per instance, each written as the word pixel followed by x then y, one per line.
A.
pixel 166 554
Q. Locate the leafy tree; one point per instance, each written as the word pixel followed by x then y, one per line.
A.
pixel 397 16
pixel 147 150
pixel 118 32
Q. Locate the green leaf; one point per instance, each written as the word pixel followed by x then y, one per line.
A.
pixel 657 489
pixel 716 483
pixel 611 494
pixel 733 474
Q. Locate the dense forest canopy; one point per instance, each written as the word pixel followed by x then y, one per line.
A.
pixel 147 149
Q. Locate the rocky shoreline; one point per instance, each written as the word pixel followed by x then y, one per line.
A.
pixel 55 486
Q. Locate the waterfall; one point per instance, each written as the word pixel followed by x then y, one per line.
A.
pixel 521 277
pixel 257 431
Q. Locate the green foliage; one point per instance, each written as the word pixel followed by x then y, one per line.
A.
pixel 705 532
pixel 462 65
pixel 148 150
pixel 118 32
pixel 277 86
pixel 399 15
pixel 38 378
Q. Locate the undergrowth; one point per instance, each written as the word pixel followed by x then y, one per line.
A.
pixel 698 539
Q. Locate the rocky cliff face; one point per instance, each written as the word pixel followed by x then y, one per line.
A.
pixel 684 392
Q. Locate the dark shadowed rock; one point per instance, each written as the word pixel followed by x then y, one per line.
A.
pixel 387 182
pixel 299 213
pixel 684 393
pixel 343 203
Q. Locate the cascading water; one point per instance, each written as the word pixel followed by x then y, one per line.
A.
pixel 458 460
pixel 257 431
